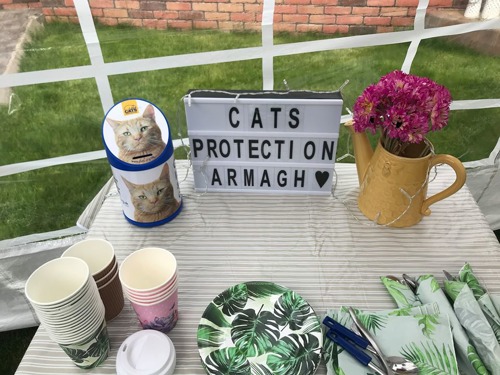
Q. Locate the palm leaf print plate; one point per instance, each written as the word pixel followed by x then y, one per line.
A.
pixel 259 328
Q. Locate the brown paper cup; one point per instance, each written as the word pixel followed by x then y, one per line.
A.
pixel 112 297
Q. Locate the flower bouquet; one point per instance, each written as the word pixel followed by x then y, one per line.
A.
pixel 405 108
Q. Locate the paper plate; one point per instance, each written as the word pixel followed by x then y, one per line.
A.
pixel 259 328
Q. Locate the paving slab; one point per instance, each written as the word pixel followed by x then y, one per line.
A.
pixel 15 26
pixel 485 41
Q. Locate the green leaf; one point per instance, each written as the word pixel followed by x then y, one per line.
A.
pixel 422 278
pixel 209 336
pixel 214 315
pixel 233 299
pixel 401 312
pixel 295 354
pixel 453 288
pixel 227 361
pixel 467 276
pixel 402 294
pixel 260 369
pixel 255 333
pixel 493 321
pixel 100 346
pixel 476 362
pixel 93 350
pixel 372 322
pixel 428 323
pixel 430 359
pixel 292 310
pixel 435 285
pixel 76 355
pixel 331 350
pixel 311 324
pixel 259 289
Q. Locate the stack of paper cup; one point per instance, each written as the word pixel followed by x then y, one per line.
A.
pixel 67 303
pixel 150 282
pixel 99 255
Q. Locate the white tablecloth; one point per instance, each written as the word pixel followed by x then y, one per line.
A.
pixel 320 247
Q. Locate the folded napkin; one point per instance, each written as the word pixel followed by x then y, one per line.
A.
pixel 476 325
pixel 420 334
pixel 429 291
pixel 470 361
pixel 495 298
pixel 483 298
pixel 401 293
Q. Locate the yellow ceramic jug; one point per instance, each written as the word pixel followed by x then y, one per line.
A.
pixel 393 189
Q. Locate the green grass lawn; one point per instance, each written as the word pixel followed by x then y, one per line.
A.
pixel 13 345
pixel 63 118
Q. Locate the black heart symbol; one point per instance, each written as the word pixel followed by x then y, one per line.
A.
pixel 322 177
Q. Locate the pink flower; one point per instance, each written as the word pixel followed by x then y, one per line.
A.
pixel 404 106
pixel 365 110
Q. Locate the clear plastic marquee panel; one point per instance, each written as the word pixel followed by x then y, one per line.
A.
pixel 98 79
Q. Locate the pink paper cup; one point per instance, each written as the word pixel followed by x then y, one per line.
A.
pixel 150 301
pixel 161 316
pixel 153 299
pixel 164 290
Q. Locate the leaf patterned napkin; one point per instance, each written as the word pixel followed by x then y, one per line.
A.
pixel 429 291
pixel 473 314
pixel 475 324
pixel 477 314
pixel 420 334
pixel 485 301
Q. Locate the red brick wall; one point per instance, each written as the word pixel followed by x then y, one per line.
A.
pixel 19 4
pixel 323 16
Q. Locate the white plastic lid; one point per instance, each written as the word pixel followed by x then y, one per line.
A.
pixel 146 352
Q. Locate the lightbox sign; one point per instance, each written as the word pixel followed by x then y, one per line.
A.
pixel 263 142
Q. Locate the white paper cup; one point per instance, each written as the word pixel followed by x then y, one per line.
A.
pixel 148 270
pixel 70 317
pixel 99 254
pixel 75 299
pixel 57 281
pixel 80 326
pixel 78 334
pixel 81 300
pixel 75 321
